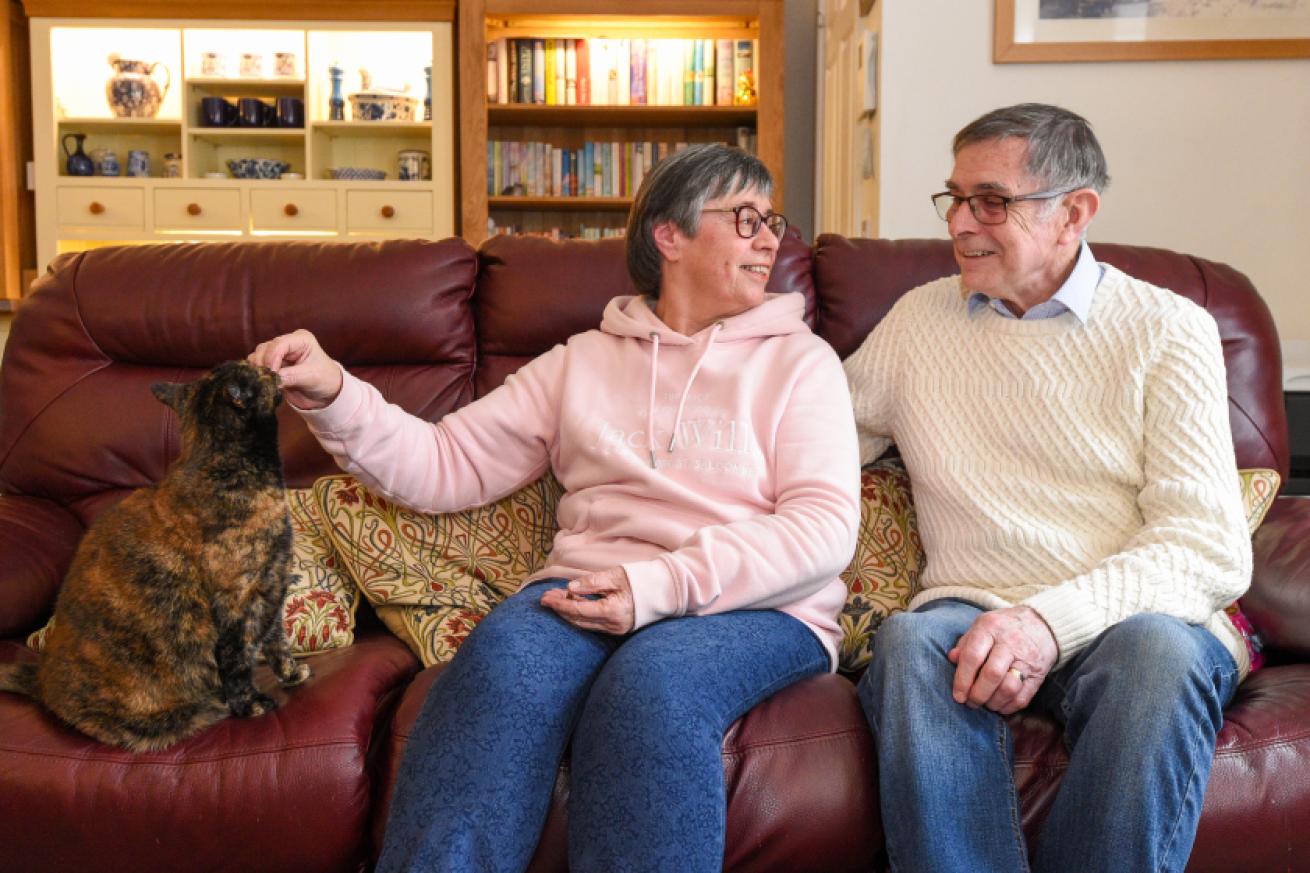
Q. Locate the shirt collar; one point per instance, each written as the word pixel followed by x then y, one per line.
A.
pixel 1075 295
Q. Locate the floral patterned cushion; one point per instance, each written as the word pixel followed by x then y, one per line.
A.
pixel 431 578
pixel 319 612
pixel 882 575
pixel 1259 487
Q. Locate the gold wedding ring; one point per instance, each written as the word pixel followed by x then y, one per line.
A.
pixel 1018 674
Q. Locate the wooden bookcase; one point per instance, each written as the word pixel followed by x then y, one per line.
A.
pixel 568 126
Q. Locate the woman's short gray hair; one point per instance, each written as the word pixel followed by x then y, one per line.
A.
pixel 1063 153
pixel 677 190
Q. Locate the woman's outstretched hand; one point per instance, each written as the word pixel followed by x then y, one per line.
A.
pixel 310 379
pixel 599 602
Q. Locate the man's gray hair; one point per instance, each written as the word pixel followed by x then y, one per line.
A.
pixel 677 190
pixel 1063 153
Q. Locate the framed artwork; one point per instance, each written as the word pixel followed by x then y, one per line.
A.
pixel 1149 30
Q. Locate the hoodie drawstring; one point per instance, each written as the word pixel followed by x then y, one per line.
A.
pixel 677 418
pixel 650 403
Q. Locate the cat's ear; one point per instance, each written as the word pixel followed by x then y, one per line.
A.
pixel 172 394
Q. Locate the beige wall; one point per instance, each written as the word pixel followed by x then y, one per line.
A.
pixel 1206 157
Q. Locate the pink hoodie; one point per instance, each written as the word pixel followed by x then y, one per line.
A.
pixel 753 504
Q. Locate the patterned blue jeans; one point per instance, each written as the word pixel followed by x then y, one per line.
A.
pixel 646 714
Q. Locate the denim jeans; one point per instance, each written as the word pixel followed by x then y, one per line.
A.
pixel 1140 708
pixel 646 714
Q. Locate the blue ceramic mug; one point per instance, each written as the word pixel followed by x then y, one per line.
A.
pixel 217 112
pixel 290 112
pixel 138 162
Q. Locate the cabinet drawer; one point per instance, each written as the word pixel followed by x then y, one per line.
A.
pixel 211 208
pixel 293 209
pixel 388 211
pixel 100 207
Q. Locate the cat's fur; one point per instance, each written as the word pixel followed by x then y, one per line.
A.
pixel 174 591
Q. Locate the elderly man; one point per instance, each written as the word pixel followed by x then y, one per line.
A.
pixel 1066 429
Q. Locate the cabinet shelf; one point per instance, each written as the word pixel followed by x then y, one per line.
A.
pixel 563 204
pixel 227 135
pixel 126 126
pixel 618 116
pixel 282 86
pixel 371 128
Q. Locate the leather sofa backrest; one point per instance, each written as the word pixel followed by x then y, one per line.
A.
pixel 77 420
pixel 534 293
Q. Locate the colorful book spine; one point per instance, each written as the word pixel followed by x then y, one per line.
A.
pixel 637 73
pixel 707 72
pixel 584 72
pixel 697 72
pixel 723 72
pixel 743 73
pixel 493 73
pixel 561 75
pixel 549 74
pixel 524 56
pixel 623 72
pixel 570 72
pixel 538 71
pixel 689 72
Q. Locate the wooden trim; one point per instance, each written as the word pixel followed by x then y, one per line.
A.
pixel 631 8
pixel 279 10
pixel 637 115
pixel 1006 51
pixel 770 125
pixel 471 122
pixel 11 161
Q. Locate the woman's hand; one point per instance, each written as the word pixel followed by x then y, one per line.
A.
pixel 599 602
pixel 310 379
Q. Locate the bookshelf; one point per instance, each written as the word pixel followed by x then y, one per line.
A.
pixel 642 132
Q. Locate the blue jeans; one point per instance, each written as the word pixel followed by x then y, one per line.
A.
pixel 646 714
pixel 1140 707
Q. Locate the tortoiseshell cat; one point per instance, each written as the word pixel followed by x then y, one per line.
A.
pixel 174 591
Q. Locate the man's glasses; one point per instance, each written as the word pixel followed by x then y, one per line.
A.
pixel 987 208
pixel 750 220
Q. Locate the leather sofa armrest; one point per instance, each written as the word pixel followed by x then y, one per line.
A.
pixel 1278 603
pixel 37 540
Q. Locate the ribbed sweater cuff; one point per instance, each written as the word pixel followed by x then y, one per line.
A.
pixel 652 592
pixel 1071 617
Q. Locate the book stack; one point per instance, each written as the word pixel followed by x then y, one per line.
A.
pixel 583 231
pixel 597 169
pixel 622 72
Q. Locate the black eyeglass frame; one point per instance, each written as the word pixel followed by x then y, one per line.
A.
pixel 945 212
pixel 759 220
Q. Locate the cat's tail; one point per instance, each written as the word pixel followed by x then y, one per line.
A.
pixel 18 678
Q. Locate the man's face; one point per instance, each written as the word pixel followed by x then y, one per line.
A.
pixel 1019 260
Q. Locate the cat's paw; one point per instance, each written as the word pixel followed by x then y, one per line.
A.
pixel 251 705
pixel 292 672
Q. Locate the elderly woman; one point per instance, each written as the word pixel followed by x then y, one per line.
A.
pixel 705 442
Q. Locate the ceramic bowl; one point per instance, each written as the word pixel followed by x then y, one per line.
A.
pixel 257 168
pixel 356 174
pixel 377 106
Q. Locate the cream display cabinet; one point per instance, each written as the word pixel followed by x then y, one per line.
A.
pixel 82 66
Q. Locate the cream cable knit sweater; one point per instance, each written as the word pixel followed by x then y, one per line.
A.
pixel 1085 471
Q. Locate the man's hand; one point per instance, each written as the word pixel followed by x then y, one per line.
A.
pixel 1003 659
pixel 599 602
pixel 310 379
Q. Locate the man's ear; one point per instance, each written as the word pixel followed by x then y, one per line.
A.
pixel 1080 207
pixel 668 239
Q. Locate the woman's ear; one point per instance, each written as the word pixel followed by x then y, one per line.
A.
pixel 668 239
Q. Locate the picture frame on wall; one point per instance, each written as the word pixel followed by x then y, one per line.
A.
pixel 1046 31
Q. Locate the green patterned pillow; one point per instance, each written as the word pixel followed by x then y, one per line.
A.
pixel 432 578
pixel 319 612
pixel 884 571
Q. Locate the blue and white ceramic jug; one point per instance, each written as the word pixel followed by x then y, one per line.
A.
pixel 133 91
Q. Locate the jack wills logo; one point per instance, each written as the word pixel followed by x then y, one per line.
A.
pixel 711 444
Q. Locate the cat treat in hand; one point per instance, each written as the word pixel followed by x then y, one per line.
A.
pixel 175 591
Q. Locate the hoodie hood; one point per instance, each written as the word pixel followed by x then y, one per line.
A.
pixel 778 315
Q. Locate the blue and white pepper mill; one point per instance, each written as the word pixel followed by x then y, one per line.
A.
pixel 336 103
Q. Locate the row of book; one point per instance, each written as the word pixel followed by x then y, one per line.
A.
pixel 582 231
pixel 596 169
pixel 623 72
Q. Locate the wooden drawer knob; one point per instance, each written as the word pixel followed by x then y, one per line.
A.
pixel 193 209
pixel 96 208
pixel 388 211
pixel 291 209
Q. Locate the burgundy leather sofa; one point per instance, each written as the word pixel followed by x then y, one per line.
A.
pixel 435 325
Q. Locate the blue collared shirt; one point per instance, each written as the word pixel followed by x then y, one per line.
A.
pixel 1075 295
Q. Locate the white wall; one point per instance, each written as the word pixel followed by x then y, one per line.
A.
pixel 1211 158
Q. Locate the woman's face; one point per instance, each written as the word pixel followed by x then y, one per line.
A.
pixel 726 272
